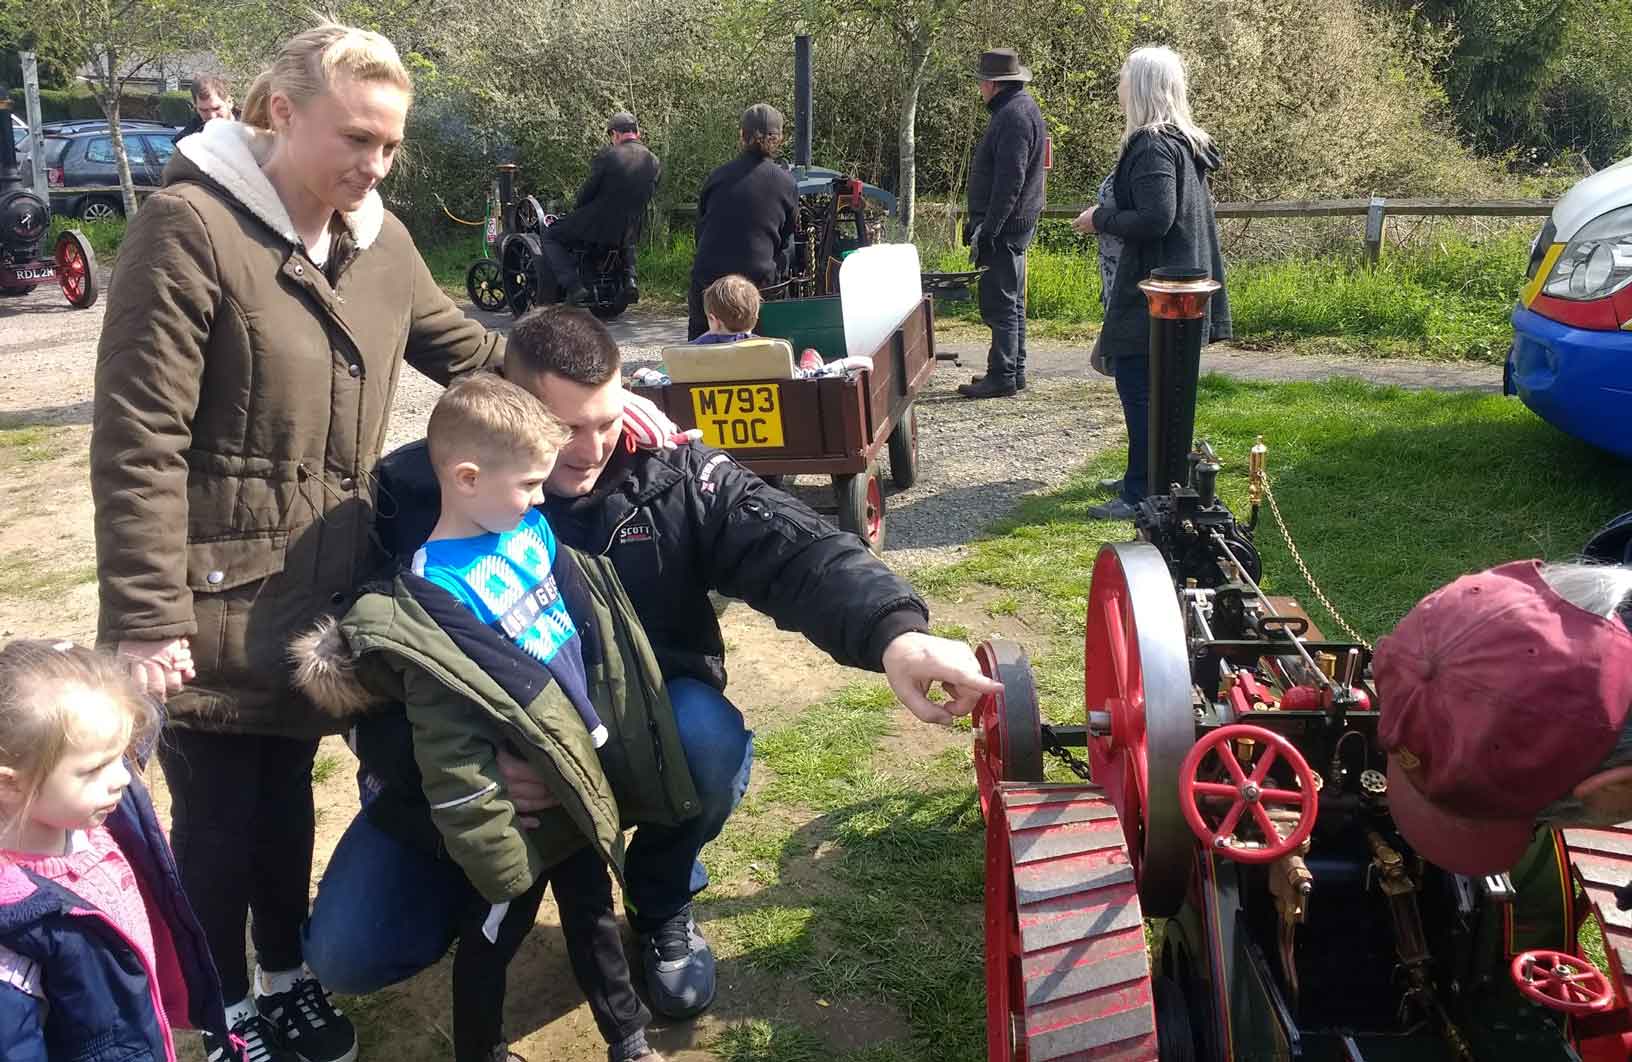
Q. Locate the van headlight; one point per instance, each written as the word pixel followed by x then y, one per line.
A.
pixel 1597 262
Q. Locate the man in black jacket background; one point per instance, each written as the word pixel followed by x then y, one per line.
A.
pixel 211 99
pixel 746 214
pixel 609 209
pixel 1005 201
pixel 676 525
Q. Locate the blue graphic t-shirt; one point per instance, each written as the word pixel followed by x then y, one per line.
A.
pixel 508 580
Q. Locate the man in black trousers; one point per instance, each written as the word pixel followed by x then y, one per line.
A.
pixel 608 212
pixel 1005 201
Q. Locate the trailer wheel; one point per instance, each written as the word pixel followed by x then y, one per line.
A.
pixel 904 448
pixel 521 259
pixel 861 506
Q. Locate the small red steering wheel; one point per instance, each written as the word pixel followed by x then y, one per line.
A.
pixel 1562 982
pixel 1247 793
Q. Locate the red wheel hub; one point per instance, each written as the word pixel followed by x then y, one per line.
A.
pixel 71 268
pixel 1562 982
pixel 875 507
pixel 1245 795
pixel 1007 724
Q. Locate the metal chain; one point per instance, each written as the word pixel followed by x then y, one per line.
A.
pixel 1052 746
pixel 1304 568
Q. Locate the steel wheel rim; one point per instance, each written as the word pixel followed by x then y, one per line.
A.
pixel 1008 744
pixel 97 211
pixel 71 271
pixel 1136 666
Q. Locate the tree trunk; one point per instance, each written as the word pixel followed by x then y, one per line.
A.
pixel 127 187
pixel 907 199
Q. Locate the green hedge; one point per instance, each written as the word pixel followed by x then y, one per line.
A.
pixel 77 104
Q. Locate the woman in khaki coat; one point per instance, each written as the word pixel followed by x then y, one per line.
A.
pixel 264 303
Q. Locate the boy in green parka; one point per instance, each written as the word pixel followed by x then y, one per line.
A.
pixel 496 635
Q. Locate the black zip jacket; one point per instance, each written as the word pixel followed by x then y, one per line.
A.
pixel 1006 175
pixel 1164 215
pixel 746 214
pixel 611 205
pixel 680 523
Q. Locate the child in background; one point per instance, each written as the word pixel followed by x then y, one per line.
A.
pixel 492 446
pixel 732 306
pixel 100 953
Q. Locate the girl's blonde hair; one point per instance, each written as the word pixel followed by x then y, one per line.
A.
pixel 1159 98
pixel 37 728
pixel 309 62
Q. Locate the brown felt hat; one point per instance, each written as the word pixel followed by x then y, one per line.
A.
pixel 1001 64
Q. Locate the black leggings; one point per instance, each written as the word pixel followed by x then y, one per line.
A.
pixel 583 894
pixel 242 828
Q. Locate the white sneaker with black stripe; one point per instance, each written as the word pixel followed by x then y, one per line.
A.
pixel 260 1043
pixel 307 1024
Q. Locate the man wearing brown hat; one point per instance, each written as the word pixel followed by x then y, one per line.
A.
pixel 609 210
pixel 1506 702
pixel 1005 201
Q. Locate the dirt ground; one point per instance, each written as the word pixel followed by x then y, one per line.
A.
pixel 47 588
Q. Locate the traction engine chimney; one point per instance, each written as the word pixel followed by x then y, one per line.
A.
pixel 1178 309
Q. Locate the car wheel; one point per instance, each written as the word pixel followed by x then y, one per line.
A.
pixel 98 208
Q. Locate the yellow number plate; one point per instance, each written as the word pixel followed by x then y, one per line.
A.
pixel 747 416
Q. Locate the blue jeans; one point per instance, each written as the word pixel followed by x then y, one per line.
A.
pixel 1003 302
pixel 386 910
pixel 1133 388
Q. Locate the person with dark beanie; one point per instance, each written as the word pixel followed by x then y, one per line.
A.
pixel 746 215
pixel 1163 214
pixel 1005 201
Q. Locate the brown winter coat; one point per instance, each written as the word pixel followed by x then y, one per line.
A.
pixel 241 403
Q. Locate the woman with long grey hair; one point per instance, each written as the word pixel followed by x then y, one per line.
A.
pixel 1162 210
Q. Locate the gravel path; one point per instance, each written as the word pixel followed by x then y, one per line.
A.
pixel 976 458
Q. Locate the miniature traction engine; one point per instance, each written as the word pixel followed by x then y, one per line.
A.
pixel 1235 792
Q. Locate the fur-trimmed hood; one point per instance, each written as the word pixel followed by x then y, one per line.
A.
pixel 231 154
pixel 325 671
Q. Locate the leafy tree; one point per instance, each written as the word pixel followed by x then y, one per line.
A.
pixel 117 40
pixel 1499 63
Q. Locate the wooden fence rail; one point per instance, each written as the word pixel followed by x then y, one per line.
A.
pixel 1375 210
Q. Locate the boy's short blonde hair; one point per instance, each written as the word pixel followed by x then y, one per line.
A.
pixel 733 301
pixel 489 420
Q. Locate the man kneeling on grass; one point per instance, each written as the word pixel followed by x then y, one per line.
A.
pixel 483 645
pixel 675 524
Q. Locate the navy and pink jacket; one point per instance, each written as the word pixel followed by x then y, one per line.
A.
pixel 102 999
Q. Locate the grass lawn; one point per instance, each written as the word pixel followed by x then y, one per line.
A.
pixel 1389 493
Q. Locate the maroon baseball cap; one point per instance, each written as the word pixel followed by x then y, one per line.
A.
pixel 1497 698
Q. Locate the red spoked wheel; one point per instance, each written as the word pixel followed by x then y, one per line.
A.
pixel 1008 726
pixel 1566 983
pixel 1245 795
pixel 76 269
pixel 1136 669
pixel 1067 969
pixel 861 506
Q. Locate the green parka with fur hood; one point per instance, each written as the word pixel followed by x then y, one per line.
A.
pixel 409 647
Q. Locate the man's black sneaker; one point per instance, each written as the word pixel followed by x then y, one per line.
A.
pixel 305 1022
pixel 259 1040
pixel 679 967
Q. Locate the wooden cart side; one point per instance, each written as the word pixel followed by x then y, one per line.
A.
pixel 902 364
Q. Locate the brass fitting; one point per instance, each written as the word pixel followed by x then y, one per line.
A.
pixel 1255 471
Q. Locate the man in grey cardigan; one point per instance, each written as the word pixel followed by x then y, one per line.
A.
pixel 1005 201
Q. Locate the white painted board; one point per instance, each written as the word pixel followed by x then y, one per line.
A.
pixel 878 286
